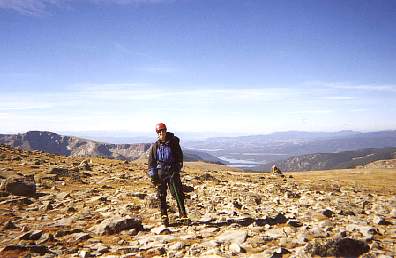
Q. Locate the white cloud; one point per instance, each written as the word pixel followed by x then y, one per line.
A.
pixel 359 110
pixel 351 86
pixel 368 87
pixel 144 92
pixel 40 7
pixel 4 115
pixel 339 98
pixel 135 107
pixel 311 112
pixel 29 7
pixel 23 104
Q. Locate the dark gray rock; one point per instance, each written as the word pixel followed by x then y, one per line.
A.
pixel 141 196
pixel 47 237
pixel 80 236
pixel 20 185
pixel 338 247
pixel 32 235
pixel 116 225
pixel 4 194
pixel 60 171
pixel 40 249
pixel 294 223
pixel 380 220
pixel 328 213
pixel 9 225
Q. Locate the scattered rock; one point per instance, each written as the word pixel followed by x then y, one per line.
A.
pixel 328 213
pixel 379 220
pixel 40 249
pixel 346 247
pixel 236 248
pixel 233 236
pixel 46 237
pixel 141 196
pixel 393 213
pixel 9 225
pixel 32 235
pixel 176 246
pixel 162 230
pixel 80 236
pixel 116 225
pixel 84 165
pixel 294 223
pixel 232 213
pixel 20 185
pixel 60 171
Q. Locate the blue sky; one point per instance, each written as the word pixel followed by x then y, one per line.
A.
pixel 224 66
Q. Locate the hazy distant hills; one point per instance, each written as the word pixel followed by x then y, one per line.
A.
pixel 292 151
pixel 75 146
pixel 325 161
pixel 280 146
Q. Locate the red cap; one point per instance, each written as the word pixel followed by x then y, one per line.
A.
pixel 159 127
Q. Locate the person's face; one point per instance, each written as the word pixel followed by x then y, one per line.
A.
pixel 161 135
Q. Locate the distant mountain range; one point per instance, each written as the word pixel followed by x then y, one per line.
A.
pixel 75 146
pixel 325 161
pixel 265 149
pixel 291 151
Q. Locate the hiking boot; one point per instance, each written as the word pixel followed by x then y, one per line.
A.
pixel 165 220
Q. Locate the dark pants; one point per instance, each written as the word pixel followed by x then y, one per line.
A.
pixel 170 179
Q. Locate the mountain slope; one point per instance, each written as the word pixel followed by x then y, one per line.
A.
pixel 279 146
pixel 74 146
pixel 325 161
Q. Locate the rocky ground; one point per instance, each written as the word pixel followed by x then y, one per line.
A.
pixel 60 206
pixel 390 163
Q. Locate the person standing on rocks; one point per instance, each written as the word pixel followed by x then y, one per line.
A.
pixel 164 165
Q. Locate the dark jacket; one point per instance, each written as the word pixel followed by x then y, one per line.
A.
pixel 177 152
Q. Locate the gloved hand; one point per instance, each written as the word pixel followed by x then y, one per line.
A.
pixel 153 174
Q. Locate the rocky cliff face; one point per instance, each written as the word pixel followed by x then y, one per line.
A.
pixel 73 146
pixel 79 147
pixel 69 207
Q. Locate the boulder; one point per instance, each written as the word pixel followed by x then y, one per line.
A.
pixel 20 185
pixel 60 171
pixel 344 247
pixel 115 225
pixel 32 235
pixel 233 236
pixel 9 225
pixel 84 165
pixel 40 249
